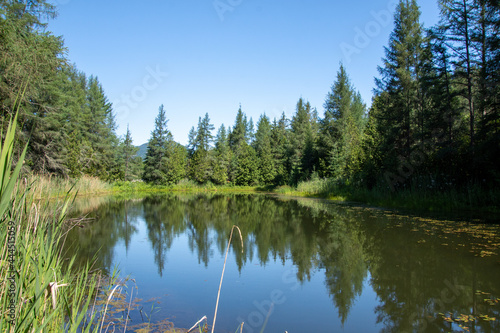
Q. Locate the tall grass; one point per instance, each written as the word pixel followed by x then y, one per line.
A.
pixel 43 186
pixel 418 197
pixel 184 185
pixel 40 291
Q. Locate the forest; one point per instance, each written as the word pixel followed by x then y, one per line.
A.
pixel 433 124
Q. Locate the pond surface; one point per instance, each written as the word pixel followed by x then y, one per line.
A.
pixel 305 266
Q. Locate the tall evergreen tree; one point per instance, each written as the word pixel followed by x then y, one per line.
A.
pixel 200 163
pixel 128 159
pixel 398 87
pixel 157 154
pixel 341 128
pixel 458 22
pixel 239 133
pixel 222 157
pixel 279 147
pixel 264 152
pixel 302 138
pixel 99 124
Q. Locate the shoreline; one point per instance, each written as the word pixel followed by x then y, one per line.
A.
pixel 452 202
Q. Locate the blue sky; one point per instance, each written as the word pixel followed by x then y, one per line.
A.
pixel 199 56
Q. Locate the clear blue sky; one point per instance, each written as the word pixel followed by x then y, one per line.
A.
pixel 195 57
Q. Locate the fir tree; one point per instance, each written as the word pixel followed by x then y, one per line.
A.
pixel 222 158
pixel 400 80
pixel 155 165
pixel 200 162
pixel 279 149
pixel 341 128
pixel 263 149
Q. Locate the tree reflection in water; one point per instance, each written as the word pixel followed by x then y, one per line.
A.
pixel 418 268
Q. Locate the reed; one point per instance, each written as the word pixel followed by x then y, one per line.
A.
pixel 48 186
pixel 224 269
pixel 42 291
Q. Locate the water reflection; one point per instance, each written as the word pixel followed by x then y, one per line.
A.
pixel 421 270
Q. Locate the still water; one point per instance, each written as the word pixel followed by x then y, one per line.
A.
pixel 305 266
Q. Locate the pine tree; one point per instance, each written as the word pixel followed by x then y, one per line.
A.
pixel 262 145
pixel 246 168
pixel 239 133
pixel 238 142
pixel 199 149
pixel 399 86
pixel 222 158
pixel 279 148
pixel 458 21
pixel 341 129
pixel 99 129
pixel 128 152
pixel 155 165
pixel 302 139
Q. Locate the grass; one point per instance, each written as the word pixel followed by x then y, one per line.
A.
pixel 41 292
pixel 184 185
pixel 57 187
pixel 471 199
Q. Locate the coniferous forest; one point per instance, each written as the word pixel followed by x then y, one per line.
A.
pixel 433 124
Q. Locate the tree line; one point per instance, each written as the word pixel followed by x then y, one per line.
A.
pixel 65 116
pixel 433 122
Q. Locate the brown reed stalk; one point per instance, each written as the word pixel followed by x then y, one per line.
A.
pixel 224 269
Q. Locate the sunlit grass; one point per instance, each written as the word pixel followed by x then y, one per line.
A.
pixel 43 186
pixel 471 198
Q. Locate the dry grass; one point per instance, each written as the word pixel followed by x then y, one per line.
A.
pixel 224 269
pixel 43 187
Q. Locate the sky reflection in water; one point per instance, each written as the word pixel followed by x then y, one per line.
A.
pixel 322 267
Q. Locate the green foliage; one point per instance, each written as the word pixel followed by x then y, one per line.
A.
pixel 263 148
pixel 200 164
pixel 341 130
pixel 302 138
pixel 42 286
pixel 8 179
pixel 435 116
pixel 280 143
pixel 246 170
pixel 165 159
pixel 222 158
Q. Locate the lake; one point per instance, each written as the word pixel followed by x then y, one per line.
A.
pixel 306 265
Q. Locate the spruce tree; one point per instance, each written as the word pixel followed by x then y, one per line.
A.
pixel 222 158
pixel 279 148
pixel 302 138
pixel 199 150
pixel 99 129
pixel 458 18
pixel 156 157
pixel 341 129
pixel 263 148
pixel 128 152
pixel 400 86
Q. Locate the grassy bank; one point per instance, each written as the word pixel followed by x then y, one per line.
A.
pixel 42 187
pixel 470 199
pixel 187 186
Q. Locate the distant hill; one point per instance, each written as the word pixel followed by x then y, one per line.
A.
pixel 143 149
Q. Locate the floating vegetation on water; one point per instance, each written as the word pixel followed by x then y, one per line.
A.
pixel 466 321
